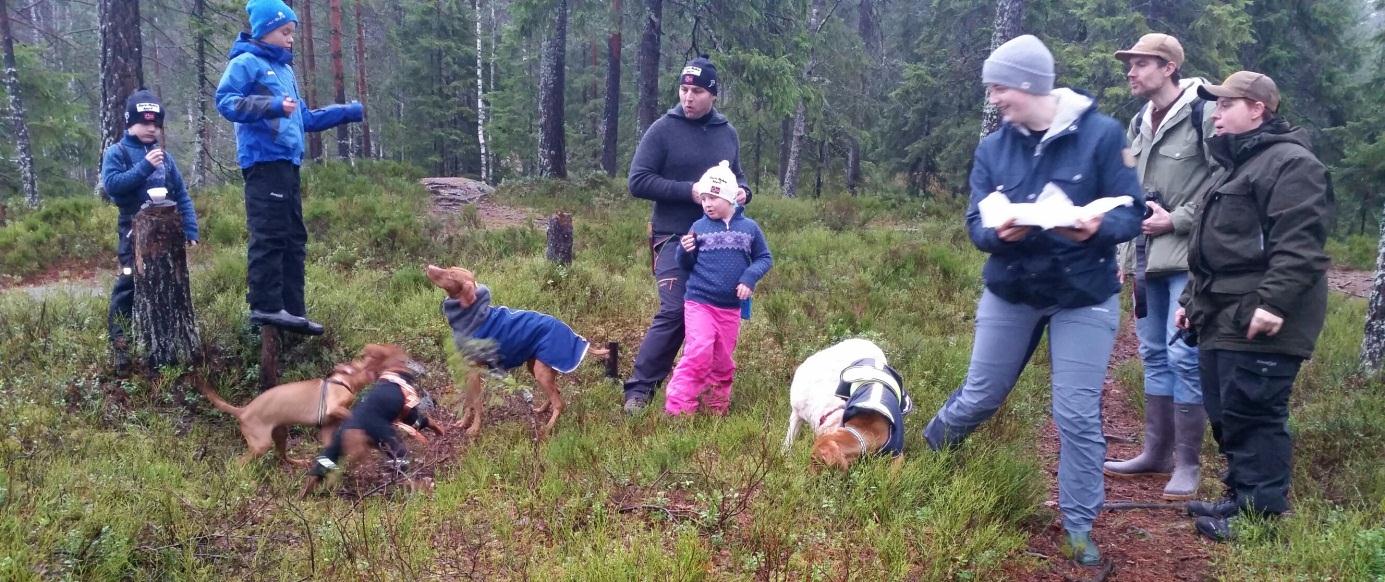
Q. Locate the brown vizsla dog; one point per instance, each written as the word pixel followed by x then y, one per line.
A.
pixel 544 342
pixel 866 433
pixel 324 403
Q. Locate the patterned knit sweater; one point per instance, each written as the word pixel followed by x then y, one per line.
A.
pixel 728 253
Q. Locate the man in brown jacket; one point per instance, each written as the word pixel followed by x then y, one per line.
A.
pixel 1168 140
pixel 1258 295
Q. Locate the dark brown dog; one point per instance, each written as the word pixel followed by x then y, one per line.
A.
pixel 324 403
pixel 460 284
pixel 838 448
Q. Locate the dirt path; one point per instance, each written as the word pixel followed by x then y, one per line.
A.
pixel 1350 282
pixel 1141 545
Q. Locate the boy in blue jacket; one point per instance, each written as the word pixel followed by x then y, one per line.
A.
pixel 259 93
pixel 129 169
pixel 725 255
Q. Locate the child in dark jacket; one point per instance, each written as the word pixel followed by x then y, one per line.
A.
pixel 131 170
pixel 259 93
pixel 725 255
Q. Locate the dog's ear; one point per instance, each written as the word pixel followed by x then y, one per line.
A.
pixel 468 293
pixel 826 453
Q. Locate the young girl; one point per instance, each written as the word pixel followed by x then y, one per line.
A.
pixel 725 255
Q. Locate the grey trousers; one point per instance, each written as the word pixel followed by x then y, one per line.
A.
pixel 1080 342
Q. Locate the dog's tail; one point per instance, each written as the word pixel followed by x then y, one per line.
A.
pixel 216 399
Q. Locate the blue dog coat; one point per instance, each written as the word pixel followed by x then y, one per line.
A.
pixel 505 338
pixel 867 387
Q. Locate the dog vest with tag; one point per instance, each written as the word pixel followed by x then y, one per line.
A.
pixel 867 387
pixel 504 338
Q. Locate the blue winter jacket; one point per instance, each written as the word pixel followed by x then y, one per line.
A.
pixel 125 175
pixel 726 255
pixel 1084 154
pixel 251 94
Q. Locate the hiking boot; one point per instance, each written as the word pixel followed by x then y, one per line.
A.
pixel 1217 529
pixel 635 405
pixel 1219 509
pixel 1157 456
pixel 1080 548
pixel 1189 423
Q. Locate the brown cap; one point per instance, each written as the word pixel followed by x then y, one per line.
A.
pixel 1244 85
pixel 1155 45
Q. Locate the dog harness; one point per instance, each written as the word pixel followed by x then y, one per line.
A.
pixel 870 387
pixel 411 401
pixel 322 391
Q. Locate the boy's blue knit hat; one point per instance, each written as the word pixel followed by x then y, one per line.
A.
pixel 268 15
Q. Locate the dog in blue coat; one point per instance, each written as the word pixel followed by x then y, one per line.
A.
pixel 501 339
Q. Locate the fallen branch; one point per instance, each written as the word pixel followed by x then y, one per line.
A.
pixel 1128 505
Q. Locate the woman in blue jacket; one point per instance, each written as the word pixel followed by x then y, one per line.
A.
pixel 1062 279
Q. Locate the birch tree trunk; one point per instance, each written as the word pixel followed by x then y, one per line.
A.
pixel 164 324
pixel 1373 344
pixel 817 16
pixel 481 95
pixel 23 153
pixel 647 108
pixel 552 81
pixel 202 139
pixel 1008 14
pixel 611 120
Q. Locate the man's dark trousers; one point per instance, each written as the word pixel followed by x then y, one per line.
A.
pixel 1247 400
pixel 665 336
pixel 278 243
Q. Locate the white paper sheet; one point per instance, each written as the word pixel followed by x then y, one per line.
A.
pixel 1052 209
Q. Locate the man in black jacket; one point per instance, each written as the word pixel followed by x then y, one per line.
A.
pixel 674 152
pixel 1258 295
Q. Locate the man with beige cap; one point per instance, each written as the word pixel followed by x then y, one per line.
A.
pixel 1258 294
pixel 1167 139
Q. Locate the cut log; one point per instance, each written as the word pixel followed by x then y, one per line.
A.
pixel 269 357
pixel 164 323
pixel 451 194
pixel 560 238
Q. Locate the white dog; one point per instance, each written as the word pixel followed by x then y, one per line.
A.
pixel 813 394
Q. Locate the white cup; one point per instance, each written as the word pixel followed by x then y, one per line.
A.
pixel 158 194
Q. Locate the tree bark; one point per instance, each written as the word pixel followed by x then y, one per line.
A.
pixel 309 62
pixel 785 136
pixel 24 153
pixel 560 239
pixel 868 26
pixel 338 76
pixel 1008 14
pixel 552 81
pixel 481 95
pixel 611 121
pixel 853 164
pixel 817 16
pixel 122 69
pixel 201 136
pixel 164 323
pixel 362 87
pixel 1373 344
pixel 647 108
pixel 269 357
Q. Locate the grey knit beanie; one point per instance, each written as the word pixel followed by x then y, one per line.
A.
pixel 1022 63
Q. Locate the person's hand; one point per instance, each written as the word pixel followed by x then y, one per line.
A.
pixel 689 242
pixel 1084 230
pixel 290 105
pixel 1160 222
pixel 1264 322
pixel 740 196
pixel 743 292
pixel 192 243
pixel 155 157
pixel 1180 319
pixel 1120 275
pixel 1008 232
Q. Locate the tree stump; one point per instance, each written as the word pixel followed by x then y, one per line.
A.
pixel 164 324
pixel 560 238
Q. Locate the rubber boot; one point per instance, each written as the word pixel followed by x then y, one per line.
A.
pixel 1157 456
pixel 1189 423
pixel 1079 547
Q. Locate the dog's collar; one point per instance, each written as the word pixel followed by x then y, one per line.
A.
pixel 861 440
pixel 823 418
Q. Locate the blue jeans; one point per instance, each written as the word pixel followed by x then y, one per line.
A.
pixel 1080 342
pixel 1170 370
